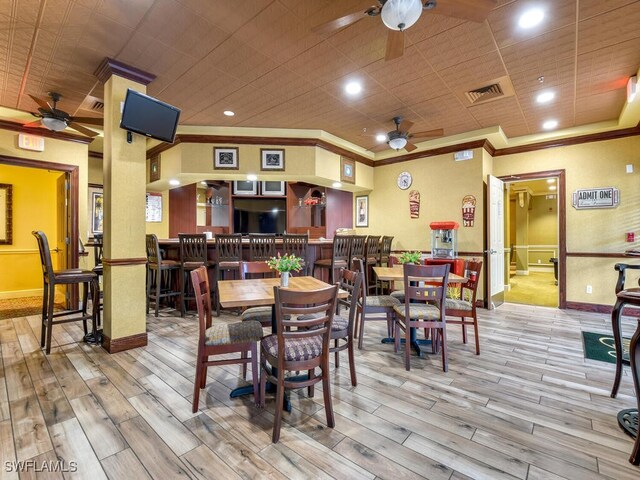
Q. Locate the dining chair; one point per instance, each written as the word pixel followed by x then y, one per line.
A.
pixel 221 339
pixel 339 257
pixel 261 246
pixel 297 244
pixel 395 293
pixel 51 278
pixel 372 305
pixel 228 256
pixel 160 275
pixel 298 345
pixel 193 254
pixel 424 307
pixel 465 306
pixel 372 257
pixel 257 270
pixel 342 328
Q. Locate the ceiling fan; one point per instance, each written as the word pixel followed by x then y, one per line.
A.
pixel 398 15
pixel 400 137
pixel 57 120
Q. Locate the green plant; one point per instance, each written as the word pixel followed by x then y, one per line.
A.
pixel 285 263
pixel 410 257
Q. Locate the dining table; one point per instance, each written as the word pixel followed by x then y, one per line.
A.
pixel 396 274
pixel 258 292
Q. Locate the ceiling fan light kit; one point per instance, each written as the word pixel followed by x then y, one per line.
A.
pixel 397 143
pixel 54 124
pixel 401 14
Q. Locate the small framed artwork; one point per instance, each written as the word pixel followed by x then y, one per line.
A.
pixel 347 170
pixel 271 159
pixel 154 168
pixel 245 187
pixel 362 211
pixel 273 188
pixel 97 212
pixel 225 158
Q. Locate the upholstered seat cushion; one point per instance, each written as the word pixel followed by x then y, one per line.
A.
pixel 98 269
pixel 194 265
pixel 74 275
pixel 422 311
pixel 382 301
pixel 230 333
pixel 339 323
pixel 260 314
pixel 295 350
pixel 457 304
pixel 229 264
pixel 399 294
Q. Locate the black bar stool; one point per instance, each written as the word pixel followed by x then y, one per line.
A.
pixel 160 280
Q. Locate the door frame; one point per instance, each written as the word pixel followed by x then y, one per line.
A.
pixel 73 171
pixel 560 174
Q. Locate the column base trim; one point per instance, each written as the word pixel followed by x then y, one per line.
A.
pixel 124 343
pixel 599 308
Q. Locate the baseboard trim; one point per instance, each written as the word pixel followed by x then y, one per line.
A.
pixel 124 343
pixel 599 308
pixel 522 272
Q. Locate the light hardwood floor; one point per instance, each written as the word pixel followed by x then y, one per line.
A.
pixel 530 406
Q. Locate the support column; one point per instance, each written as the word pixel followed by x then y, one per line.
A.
pixel 124 258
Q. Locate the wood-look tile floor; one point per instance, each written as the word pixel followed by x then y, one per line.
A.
pixel 530 406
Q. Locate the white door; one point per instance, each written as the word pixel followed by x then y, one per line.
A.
pixel 495 241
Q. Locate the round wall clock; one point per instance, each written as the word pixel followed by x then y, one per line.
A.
pixel 404 180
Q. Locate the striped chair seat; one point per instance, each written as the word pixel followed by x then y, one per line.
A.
pixel 399 294
pixel 259 314
pixel 295 350
pixel 339 323
pixel 382 301
pixel 423 311
pixel 230 333
pixel 457 304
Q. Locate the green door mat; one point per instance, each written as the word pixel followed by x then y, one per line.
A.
pixel 601 347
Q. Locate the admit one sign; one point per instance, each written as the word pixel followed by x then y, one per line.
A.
pixel 608 197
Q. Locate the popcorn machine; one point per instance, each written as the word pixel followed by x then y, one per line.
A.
pixel 444 239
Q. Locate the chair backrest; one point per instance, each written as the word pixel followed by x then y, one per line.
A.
pixel 350 281
pixel 200 282
pixel 193 247
pixel 472 272
pixel 385 249
pixel 295 245
pixel 432 290
pixel 342 247
pixel 45 255
pixel 229 247
pixel 357 265
pixel 255 270
pixel 358 243
pixel 372 248
pixel 261 246
pixel 153 249
pixel 98 247
pixel 316 307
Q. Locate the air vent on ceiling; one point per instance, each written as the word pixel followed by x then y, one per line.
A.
pixel 494 90
pixel 97 106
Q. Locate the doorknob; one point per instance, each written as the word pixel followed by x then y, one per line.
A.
pixel 492 251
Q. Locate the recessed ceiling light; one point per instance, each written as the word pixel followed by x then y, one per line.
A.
pixel 336 184
pixel 551 180
pixel 552 187
pixel 252 178
pixel 204 183
pixel 550 124
pixel 545 97
pixel 353 88
pixel 531 18
pixel 174 182
pixel 381 137
pixel 229 113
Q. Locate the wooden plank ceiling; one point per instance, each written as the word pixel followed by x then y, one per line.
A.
pixel 260 59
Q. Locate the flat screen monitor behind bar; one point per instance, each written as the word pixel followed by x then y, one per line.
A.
pixel 259 215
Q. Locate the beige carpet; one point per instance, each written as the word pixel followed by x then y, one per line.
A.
pixel 537 288
pixel 23 307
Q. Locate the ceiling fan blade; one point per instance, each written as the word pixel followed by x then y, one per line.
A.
pixel 410 147
pixel 36 123
pixel 89 120
pixel 81 129
pixel 438 132
pixel 474 10
pixel 341 22
pixel 41 103
pixel 395 44
pixel 405 126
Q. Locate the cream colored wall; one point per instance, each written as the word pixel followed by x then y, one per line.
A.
pixel 161 229
pixel 95 174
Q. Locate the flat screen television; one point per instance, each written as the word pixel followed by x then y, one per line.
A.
pixel 149 116
pixel 259 215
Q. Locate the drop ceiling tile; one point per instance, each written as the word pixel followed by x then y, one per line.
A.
pixel 410 66
pixel 600 107
pixel 472 74
pixel 596 32
pixel 321 64
pixel 226 15
pixel 421 89
pixel 431 24
pixel 125 12
pixel 282 83
pixel 504 112
pixel 591 8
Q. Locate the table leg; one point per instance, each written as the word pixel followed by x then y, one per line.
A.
pixel 632 418
pixel 416 343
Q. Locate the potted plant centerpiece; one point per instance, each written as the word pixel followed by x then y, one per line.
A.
pixel 285 264
pixel 410 257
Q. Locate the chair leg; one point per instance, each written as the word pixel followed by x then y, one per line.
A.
pixel 254 373
pixel 326 390
pixel 203 380
pixel 217 274
pixel 277 421
pixel 149 274
pixel 396 338
pixel 182 287
pixel 407 347
pixel 311 388
pixel 263 381
pixel 337 353
pixel 158 290
pixel 361 329
pixel 43 324
pixel 445 360
pixel 464 332
pixel 352 363
pixel 197 384
pixel 52 296
pixel 85 299
pixel 617 337
pixel 475 332
pixel 243 355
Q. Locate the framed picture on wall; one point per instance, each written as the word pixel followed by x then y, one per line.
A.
pixel 154 168
pixel 245 187
pixel 97 212
pixel 6 206
pixel 273 188
pixel 225 158
pixel 362 211
pixel 347 170
pixel 271 159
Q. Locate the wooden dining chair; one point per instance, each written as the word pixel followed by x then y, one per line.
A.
pixel 257 270
pixel 342 327
pixel 221 338
pixel 465 306
pixel 424 307
pixel 299 344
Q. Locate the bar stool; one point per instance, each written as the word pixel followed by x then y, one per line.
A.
pixel 385 251
pixel 261 247
pixel 98 249
pixel 372 256
pixel 297 244
pixel 339 257
pixel 193 254
pixel 160 279
pixel 229 256
pixel 52 278
pixel 358 243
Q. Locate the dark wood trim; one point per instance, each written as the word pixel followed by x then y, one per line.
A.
pixel 460 254
pixel 599 308
pixel 96 185
pixel 124 343
pixel 562 222
pixel 565 142
pixel 436 151
pixel 43 132
pixel 110 67
pixel 118 262
pixel 96 155
pixel 597 255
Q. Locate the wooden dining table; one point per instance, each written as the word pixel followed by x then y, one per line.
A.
pixel 258 292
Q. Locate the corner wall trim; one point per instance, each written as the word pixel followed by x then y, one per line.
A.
pixel 118 262
pixel 124 343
